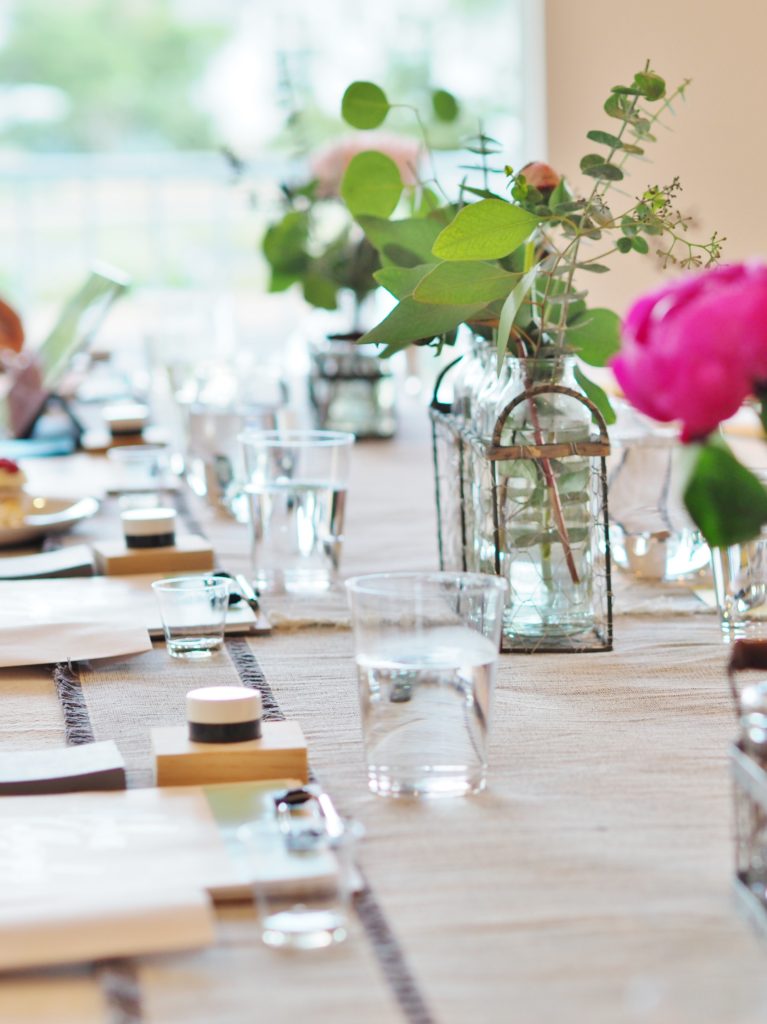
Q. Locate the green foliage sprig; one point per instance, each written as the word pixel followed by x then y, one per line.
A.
pixel 301 248
pixel 299 252
pixel 505 261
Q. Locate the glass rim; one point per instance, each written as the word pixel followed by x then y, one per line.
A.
pixel 384 584
pixel 171 583
pixel 298 438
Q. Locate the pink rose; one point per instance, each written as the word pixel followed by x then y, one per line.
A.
pixel 695 349
pixel 541 176
pixel 328 165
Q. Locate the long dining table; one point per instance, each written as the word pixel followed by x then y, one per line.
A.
pixel 590 882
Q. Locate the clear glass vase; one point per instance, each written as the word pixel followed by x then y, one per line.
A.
pixel 546 527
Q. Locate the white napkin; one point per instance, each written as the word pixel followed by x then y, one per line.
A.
pixel 42 644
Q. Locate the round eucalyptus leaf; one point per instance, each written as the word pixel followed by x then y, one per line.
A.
pixel 371 185
pixel 445 105
pixel 364 105
pixel 650 85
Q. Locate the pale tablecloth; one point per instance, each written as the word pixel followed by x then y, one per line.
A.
pixel 590 882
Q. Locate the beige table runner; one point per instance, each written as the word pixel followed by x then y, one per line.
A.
pixel 590 883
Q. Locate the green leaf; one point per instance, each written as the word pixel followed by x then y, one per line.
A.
pixel 603 171
pixel 591 160
pixel 402 281
pixel 364 105
pixel 444 104
pixel 284 243
pixel 640 245
pixel 560 196
pixel 428 202
pixel 509 312
pixel 617 105
pixel 461 282
pixel 605 138
pixel 411 321
pixel 593 268
pixel 595 336
pixel 371 184
pixel 320 291
pixel 280 281
pixel 624 244
pixel 483 193
pixel 650 85
pixel 625 90
pixel 569 207
pixel 597 396
pixel 629 227
pixel 405 242
pixel 487 230
pixel 727 502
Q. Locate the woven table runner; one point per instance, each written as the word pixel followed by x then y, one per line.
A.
pixel 123 700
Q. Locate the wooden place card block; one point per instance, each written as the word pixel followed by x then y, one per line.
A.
pixel 189 554
pixel 279 754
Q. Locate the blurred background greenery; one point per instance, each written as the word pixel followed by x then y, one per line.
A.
pixel 114 118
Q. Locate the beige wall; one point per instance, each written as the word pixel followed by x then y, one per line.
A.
pixel 718 146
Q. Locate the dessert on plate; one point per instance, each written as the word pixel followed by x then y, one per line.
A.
pixel 12 480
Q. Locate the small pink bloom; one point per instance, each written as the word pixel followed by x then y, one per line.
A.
pixel 541 176
pixel 328 165
pixel 695 349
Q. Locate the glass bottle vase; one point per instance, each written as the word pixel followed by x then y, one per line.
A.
pixel 547 527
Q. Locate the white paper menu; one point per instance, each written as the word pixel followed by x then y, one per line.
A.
pixel 91 875
pixel 46 930
pixel 79 619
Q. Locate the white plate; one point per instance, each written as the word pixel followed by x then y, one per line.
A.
pixel 45 515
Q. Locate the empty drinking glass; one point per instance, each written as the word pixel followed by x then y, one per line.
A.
pixel 308 907
pixel 214 457
pixel 193 610
pixel 740 584
pixel 295 482
pixel 426 650
pixel 139 469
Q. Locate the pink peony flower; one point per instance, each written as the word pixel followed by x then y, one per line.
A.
pixel 328 165
pixel 695 349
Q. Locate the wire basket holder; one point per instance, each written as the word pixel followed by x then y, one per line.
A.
pixel 463 462
pixel 748 768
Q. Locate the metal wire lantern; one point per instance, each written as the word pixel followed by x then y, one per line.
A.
pixel 471 473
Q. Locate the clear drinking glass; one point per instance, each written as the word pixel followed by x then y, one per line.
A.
pixel 296 482
pixel 308 909
pixel 426 651
pixel 193 610
pixel 740 584
pixel 213 460
pixel 651 533
pixel 139 468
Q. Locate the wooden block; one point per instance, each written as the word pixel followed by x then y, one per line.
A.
pixel 189 554
pixel 279 754
pixel 90 766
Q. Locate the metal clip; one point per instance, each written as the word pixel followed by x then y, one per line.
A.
pixel 307 819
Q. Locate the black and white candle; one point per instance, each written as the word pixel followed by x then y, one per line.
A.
pixel 149 527
pixel 223 714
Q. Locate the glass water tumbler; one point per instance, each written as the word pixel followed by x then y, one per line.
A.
pixel 426 653
pixel 296 483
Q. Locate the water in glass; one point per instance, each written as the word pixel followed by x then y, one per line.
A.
pixel 297 533
pixel 426 704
